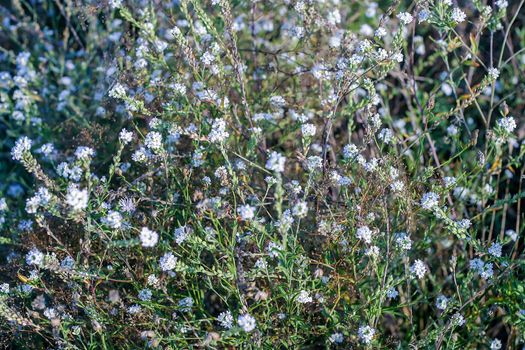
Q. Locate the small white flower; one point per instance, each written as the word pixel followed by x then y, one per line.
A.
pixel 430 200
pixel 392 293
pixel 218 131
pixel 22 146
pixel 182 233
pixel 246 322
pixel 77 199
pixel 247 212
pixel 225 319
pixel 118 90
pixel 405 18
pixel 148 237
pixel 366 334
pixel 495 250
pixel 145 294
pixel 441 302
pixel 83 152
pixel 300 209
pixel 125 136
pixel 168 262
pixel 495 344
pixel 457 319
pixel 364 233
pixel 493 73
pixel 153 141
pixel 35 257
pixel 336 338
pixel 113 219
pixel 304 297
pixel 458 16
pixel 508 124
pixel 418 268
pixel 308 130
pixel 403 241
pixel 276 162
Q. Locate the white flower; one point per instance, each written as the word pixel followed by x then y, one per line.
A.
pixel 77 199
pixel 182 233
pixel 441 302
pixel 218 131
pixel 502 4
pixel 148 237
pixel 392 293
pixel 350 151
pixel 277 101
pixel 458 16
pixel 168 262
pixel 276 162
pixel 246 322
pixel 22 146
pixel 304 297
pixel 247 212
pixel 186 304
pixel 134 309
pixel 118 90
pixel 225 319
pixel 113 219
pixel 364 233
pixel 366 334
pixel 300 209
pixel 495 344
pixel 153 140
pixel 405 17
pixel 386 135
pixel 423 16
pixel 34 257
pixel 125 136
pixel 493 73
pixel 495 250
pixel 83 152
pixel 115 4
pixel 380 32
pixel 508 124
pixel 418 268
pixel 457 320
pixel 430 200
pixel 336 338
pixel 308 130
pixel 403 241
pixel 145 294
pixel 314 162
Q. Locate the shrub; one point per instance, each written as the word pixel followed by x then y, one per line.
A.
pixel 257 174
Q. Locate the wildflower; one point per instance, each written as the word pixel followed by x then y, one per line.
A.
pixel 380 32
pixel 67 263
pixel 403 241
pixel 35 257
pixel 134 309
pixel 366 334
pixel 495 250
pixel 314 162
pixel 441 302
pixel 273 249
pixel 502 4
pixel 4 288
pixel 304 297
pixel 145 294
pixel 225 319
pixel 336 338
pixel 418 268
pixel 167 262
pixel 113 219
pixel 277 101
pixel 487 271
pixel 392 293
pixel 186 304
pixel 364 233
pixel 372 251
pixel 430 200
pixel 84 153
pixel 22 146
pixel 458 16
pixel 423 16
pixel 495 344
pixel 386 135
pixel 218 131
pixel 512 234
pixel 350 151
pixel 261 264
pixel 457 320
pixel 148 237
pixel 476 264
pixel 125 136
pixel 308 130
pixel 118 90
pixel 493 73
pixel 153 140
pixel 507 124
pixel 300 209
pixel 246 322
pixel 276 162
pixel 247 212
pixel 182 233
pixel 77 199
pixel 405 18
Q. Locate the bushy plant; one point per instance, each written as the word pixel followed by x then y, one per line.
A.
pixel 262 174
